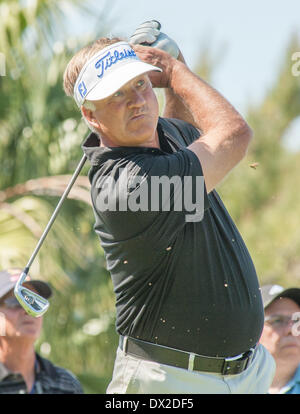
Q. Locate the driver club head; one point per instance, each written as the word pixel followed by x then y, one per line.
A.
pixel 34 304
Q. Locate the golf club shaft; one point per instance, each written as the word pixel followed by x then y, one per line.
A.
pixel 53 217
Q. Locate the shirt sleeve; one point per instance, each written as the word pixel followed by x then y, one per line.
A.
pixel 150 196
pixel 191 133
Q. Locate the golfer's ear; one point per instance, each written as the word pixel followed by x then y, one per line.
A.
pixel 89 116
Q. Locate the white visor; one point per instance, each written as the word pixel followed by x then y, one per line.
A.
pixel 107 71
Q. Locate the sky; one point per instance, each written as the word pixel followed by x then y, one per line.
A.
pixel 247 39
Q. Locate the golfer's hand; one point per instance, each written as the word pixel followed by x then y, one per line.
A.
pixel 159 58
pixel 149 34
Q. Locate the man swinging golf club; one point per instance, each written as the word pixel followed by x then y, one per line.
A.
pixel 189 309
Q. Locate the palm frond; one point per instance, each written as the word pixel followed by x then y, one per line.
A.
pixel 53 186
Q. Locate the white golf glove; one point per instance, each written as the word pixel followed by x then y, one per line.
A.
pixel 149 34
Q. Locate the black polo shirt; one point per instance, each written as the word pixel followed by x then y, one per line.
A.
pixel 190 285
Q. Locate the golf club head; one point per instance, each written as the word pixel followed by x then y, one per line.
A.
pixel 34 304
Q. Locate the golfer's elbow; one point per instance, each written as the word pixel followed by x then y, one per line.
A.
pixel 243 136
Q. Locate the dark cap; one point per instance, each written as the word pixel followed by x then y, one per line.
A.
pixel 9 277
pixel 272 292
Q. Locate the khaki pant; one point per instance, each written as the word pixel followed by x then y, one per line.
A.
pixel 136 376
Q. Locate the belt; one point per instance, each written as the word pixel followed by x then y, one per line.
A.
pixel 181 359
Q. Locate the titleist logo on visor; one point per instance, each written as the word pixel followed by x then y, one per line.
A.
pixel 100 65
pixel 107 71
pixel 108 60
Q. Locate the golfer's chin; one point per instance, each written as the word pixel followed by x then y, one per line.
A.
pixel 141 131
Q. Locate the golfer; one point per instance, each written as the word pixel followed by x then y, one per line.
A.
pixel 189 308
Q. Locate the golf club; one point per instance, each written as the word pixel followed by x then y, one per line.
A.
pixel 34 304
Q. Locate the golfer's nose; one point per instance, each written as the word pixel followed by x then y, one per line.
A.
pixel 136 98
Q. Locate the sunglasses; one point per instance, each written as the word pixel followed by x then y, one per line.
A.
pixel 11 303
pixel 281 321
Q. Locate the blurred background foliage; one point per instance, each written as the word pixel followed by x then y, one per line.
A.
pixel 40 136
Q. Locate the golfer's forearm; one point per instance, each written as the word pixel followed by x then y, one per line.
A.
pixel 225 135
pixel 174 105
pixel 208 108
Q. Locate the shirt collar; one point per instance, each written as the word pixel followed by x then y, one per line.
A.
pixel 97 155
pixel 292 382
pixel 4 372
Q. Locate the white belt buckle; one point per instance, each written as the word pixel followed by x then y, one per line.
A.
pixel 191 361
